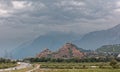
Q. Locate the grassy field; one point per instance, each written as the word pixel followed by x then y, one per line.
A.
pixel 83 70
pixel 76 67
pixel 22 70
pixel 72 67
pixel 7 65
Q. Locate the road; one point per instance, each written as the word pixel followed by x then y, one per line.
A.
pixel 37 67
pixel 21 65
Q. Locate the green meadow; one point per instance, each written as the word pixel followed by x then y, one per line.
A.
pixel 76 67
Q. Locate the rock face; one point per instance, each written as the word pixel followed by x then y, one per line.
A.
pixel 68 51
pixel 44 53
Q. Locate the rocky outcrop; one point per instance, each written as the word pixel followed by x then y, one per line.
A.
pixel 68 51
pixel 45 53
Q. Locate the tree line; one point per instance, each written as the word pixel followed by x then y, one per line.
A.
pixel 43 59
pixel 3 60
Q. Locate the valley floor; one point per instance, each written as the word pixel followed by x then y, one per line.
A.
pixel 79 70
pixel 76 67
pixel 70 67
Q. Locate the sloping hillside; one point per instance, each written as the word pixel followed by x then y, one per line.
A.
pixel 109 48
pixel 97 39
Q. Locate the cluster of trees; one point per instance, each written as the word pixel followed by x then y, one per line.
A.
pixel 67 60
pixel 3 60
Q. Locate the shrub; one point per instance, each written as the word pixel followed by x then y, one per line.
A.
pixel 113 63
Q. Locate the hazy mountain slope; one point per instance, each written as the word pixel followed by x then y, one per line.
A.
pixel 109 48
pixel 96 39
pixel 52 40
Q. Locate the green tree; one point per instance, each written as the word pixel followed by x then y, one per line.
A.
pixel 113 63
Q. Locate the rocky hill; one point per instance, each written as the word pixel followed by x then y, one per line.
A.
pixel 67 51
pixel 45 53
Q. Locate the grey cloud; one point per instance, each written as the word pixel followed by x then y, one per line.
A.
pixel 5 3
pixel 60 12
pixel 39 17
pixel 64 11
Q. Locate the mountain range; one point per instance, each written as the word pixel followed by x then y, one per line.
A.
pixel 97 39
pixel 54 40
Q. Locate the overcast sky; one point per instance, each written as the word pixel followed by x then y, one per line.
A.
pixel 24 20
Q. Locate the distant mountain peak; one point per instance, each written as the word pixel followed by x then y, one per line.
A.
pixel 68 45
pixel 97 39
pixel 46 49
pixel 44 53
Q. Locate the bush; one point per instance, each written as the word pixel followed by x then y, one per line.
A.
pixel 113 63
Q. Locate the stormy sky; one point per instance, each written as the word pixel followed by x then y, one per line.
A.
pixel 24 20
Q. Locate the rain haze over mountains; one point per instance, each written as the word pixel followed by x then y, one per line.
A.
pixel 24 23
